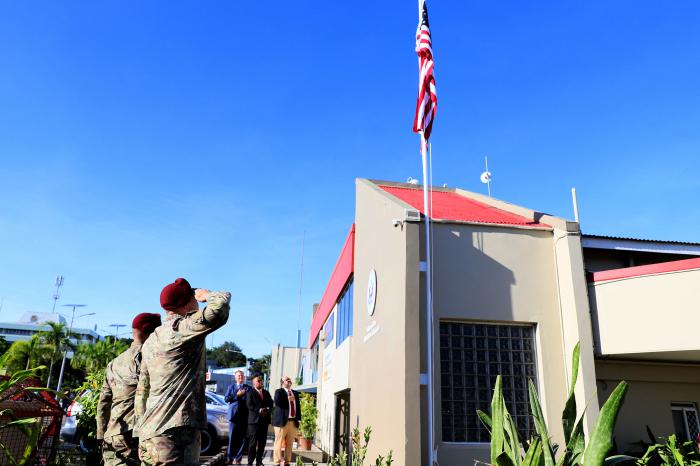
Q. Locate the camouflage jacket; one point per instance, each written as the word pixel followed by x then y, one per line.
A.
pixel 115 410
pixel 170 391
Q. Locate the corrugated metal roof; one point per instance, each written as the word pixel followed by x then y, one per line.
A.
pixel 448 205
pixel 646 240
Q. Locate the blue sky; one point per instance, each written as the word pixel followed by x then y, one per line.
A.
pixel 142 141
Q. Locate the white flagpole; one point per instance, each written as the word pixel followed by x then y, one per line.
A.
pixel 428 304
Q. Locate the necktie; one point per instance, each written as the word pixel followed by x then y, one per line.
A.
pixel 292 405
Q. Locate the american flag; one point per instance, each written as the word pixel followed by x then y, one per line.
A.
pixel 427 98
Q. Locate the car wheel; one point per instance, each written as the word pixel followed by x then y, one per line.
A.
pixel 210 442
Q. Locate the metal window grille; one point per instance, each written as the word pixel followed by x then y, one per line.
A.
pixel 31 404
pixel 686 420
pixel 471 356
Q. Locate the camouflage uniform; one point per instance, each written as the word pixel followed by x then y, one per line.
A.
pixel 170 402
pixel 115 410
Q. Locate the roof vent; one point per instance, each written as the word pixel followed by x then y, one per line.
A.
pixel 412 215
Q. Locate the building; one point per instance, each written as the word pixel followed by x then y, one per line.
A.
pixel 514 290
pixel 34 322
pixel 299 364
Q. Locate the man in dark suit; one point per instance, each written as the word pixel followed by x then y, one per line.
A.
pixel 285 420
pixel 237 418
pixel 259 404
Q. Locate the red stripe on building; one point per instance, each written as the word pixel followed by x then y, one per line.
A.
pixel 341 273
pixel 641 270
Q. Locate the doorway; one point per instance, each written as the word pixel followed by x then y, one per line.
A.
pixel 342 423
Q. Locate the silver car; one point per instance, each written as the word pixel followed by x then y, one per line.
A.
pixel 213 438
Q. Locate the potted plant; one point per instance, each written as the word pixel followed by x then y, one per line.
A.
pixel 309 423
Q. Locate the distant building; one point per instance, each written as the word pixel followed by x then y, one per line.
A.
pixel 33 322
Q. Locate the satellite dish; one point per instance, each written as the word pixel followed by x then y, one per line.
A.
pixel 485 177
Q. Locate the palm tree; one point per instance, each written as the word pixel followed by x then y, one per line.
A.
pixel 56 340
pixel 92 357
pixel 22 354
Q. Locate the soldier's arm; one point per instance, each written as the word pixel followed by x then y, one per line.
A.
pixel 104 406
pixel 142 391
pixel 212 317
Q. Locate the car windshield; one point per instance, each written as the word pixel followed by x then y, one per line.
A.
pixel 214 399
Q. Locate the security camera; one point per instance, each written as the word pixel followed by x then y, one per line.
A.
pixel 397 222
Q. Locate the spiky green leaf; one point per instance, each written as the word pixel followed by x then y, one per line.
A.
pixel 485 419
pixel 497 432
pixel 600 442
pixel 540 424
pixel 568 416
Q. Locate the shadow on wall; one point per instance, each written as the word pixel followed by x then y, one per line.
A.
pixel 466 281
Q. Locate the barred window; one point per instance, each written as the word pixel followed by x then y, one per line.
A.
pixel 471 356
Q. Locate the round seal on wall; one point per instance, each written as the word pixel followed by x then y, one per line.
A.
pixel 371 292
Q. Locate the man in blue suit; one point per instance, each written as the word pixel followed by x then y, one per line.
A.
pixel 237 417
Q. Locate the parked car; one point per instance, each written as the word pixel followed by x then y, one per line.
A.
pixel 213 437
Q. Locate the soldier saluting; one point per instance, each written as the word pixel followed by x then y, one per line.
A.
pixel 115 410
pixel 170 403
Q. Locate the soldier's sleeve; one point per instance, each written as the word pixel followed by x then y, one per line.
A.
pixel 142 391
pixel 104 405
pixel 212 317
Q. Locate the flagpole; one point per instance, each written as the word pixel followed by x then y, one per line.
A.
pixel 428 303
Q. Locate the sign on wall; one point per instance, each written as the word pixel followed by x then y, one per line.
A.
pixel 371 292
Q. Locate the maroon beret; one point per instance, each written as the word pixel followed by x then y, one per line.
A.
pixel 176 295
pixel 146 322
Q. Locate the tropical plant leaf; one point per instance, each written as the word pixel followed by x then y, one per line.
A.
pixel 533 456
pixel 485 419
pixel 601 438
pixel 513 439
pixel 540 424
pixel 504 459
pixel 497 434
pixel 619 459
pixel 568 416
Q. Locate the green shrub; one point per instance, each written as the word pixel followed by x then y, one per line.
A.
pixel 670 453
pixel 359 451
pixel 309 416
pixel 88 399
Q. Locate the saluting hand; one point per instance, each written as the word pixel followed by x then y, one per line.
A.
pixel 201 294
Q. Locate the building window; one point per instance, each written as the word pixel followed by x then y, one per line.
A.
pixel 471 356
pixel 345 314
pixel 328 330
pixel 685 421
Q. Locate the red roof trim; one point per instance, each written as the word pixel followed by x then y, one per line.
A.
pixel 449 205
pixel 341 273
pixel 641 270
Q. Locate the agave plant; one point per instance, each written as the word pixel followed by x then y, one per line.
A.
pixel 539 451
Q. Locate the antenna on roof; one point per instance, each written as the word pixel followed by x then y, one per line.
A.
pixel 575 201
pixel 301 286
pixel 486 176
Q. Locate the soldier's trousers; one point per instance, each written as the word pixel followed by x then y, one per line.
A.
pixel 121 450
pixel 178 446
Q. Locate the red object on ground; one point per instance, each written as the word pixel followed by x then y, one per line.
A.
pixel 449 205
pixel 641 270
pixel 341 273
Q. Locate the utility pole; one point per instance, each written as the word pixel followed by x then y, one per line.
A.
pixel 70 331
pixel 116 329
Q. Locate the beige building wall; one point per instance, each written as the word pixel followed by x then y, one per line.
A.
pixel 285 360
pixel 628 315
pixel 334 377
pixel 384 363
pixel 653 388
pixel 492 274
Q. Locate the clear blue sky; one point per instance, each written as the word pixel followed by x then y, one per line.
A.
pixel 141 141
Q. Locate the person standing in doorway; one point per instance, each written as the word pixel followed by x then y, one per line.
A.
pixel 259 404
pixel 237 418
pixel 285 420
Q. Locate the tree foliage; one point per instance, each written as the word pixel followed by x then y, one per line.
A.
pixel 92 357
pixel 227 354
pixel 54 341
pixel 261 365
